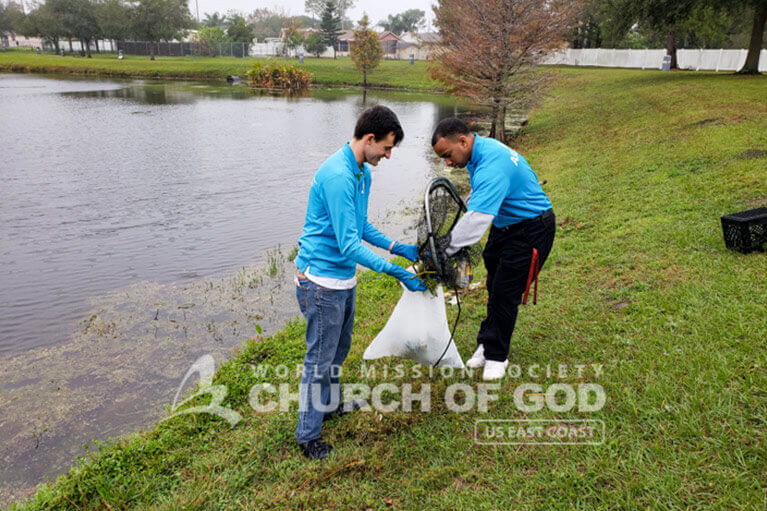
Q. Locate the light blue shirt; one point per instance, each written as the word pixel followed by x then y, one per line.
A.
pixel 337 221
pixel 503 184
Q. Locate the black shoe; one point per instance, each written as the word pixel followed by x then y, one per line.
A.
pixel 316 449
pixel 346 407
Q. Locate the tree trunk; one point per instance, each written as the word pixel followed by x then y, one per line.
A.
pixel 70 46
pixel 671 47
pixel 493 120
pixel 502 125
pixel 97 46
pixel 87 47
pixel 365 79
pixel 56 44
pixel 751 67
pixel 151 52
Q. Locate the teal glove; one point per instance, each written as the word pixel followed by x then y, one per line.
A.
pixel 409 252
pixel 410 281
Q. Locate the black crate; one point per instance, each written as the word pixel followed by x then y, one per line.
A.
pixel 746 231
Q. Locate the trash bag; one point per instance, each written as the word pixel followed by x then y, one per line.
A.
pixel 417 329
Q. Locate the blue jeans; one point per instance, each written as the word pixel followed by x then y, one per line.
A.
pixel 329 317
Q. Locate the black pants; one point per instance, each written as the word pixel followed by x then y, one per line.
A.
pixel 507 256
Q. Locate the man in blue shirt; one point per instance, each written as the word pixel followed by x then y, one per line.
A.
pixel 505 193
pixel 330 248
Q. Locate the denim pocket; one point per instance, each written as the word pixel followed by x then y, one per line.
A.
pixel 302 295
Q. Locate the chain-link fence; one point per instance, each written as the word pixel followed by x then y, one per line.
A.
pixel 183 49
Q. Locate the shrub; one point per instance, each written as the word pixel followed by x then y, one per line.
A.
pixel 279 76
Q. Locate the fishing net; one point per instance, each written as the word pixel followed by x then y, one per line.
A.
pixel 418 329
pixel 443 207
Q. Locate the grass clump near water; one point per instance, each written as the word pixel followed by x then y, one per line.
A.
pixel 638 281
pixel 396 74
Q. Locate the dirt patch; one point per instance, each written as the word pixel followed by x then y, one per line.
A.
pixel 757 203
pixel 621 305
pixel 703 122
pixel 752 154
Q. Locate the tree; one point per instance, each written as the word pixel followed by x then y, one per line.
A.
pixel 408 21
pixel 266 22
pixel 489 47
pixel 113 18
pixel 343 7
pixel 315 8
pixel 751 66
pixel 314 44
pixel 42 22
pixel 665 16
pixel 77 19
pixel 366 50
pixel 239 32
pixel 214 20
pixel 156 20
pixel 12 17
pixel 210 38
pixel 330 26
pixel 293 39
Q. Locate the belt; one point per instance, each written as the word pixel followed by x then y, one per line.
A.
pixel 543 216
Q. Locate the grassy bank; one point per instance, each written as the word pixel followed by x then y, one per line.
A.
pixel 640 166
pixel 391 73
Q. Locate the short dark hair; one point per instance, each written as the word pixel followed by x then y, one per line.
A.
pixel 449 127
pixel 380 121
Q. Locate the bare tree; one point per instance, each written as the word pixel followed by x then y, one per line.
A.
pixel 489 49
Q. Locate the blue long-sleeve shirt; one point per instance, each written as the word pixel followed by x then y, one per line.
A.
pixel 503 184
pixel 337 221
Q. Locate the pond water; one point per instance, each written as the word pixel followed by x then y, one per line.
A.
pixel 143 224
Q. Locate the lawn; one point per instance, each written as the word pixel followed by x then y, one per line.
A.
pixel 391 73
pixel 640 166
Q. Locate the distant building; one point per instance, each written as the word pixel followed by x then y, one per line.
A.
pixel 12 39
pixel 421 46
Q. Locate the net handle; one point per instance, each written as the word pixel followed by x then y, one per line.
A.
pixel 440 182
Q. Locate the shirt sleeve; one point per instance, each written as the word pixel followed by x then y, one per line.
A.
pixel 339 196
pixel 375 237
pixel 469 230
pixel 489 189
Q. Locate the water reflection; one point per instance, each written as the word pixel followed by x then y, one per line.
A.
pixel 120 202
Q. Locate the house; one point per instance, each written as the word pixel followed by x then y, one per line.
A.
pixel 389 41
pixel 420 46
pixel 12 39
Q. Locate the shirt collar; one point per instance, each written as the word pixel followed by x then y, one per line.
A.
pixel 353 161
pixel 475 151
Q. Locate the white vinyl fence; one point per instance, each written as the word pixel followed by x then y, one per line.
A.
pixel 696 60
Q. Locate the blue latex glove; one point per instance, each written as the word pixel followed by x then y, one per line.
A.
pixel 409 252
pixel 410 281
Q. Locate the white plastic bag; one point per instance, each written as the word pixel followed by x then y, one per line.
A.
pixel 417 329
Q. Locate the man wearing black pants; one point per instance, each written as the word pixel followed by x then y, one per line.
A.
pixel 506 194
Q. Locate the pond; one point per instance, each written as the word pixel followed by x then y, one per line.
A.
pixel 144 224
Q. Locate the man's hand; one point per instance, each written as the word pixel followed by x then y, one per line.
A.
pixel 409 252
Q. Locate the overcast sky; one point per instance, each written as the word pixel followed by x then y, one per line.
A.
pixel 376 9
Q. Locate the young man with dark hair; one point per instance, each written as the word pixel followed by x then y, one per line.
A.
pixel 329 250
pixel 505 193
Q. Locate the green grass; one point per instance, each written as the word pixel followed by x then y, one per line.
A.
pixel 391 73
pixel 639 281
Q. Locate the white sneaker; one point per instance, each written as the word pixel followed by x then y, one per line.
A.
pixel 494 370
pixel 477 360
